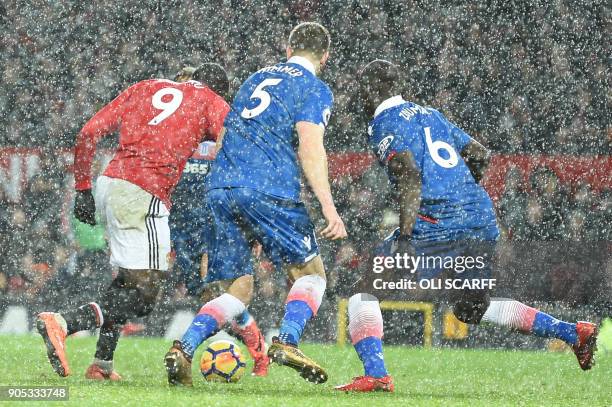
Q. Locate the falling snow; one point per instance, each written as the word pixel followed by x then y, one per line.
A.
pixel 529 80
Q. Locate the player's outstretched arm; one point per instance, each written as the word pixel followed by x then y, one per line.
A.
pixel 313 159
pixel 406 173
pixel 102 123
pixel 477 158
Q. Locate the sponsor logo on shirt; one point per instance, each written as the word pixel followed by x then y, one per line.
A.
pixel 207 150
pixel 383 146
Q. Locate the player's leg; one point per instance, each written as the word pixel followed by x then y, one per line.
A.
pixel 230 263
pixel 286 233
pixel 137 224
pixel 132 294
pixel 209 320
pixel 53 326
pixel 215 313
pixel 245 328
pixel 366 330
pixel 303 302
pixel 581 336
pixel 140 243
pixel 475 306
pixel 102 366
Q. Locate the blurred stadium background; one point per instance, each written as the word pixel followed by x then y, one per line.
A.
pixel 529 80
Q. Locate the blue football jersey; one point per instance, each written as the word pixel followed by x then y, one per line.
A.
pixel 453 205
pixel 192 186
pixel 260 144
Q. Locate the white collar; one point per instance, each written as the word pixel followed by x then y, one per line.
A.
pixel 389 103
pixel 296 59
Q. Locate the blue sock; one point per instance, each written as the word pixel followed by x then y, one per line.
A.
pixel 371 354
pixel 202 327
pixel 547 326
pixel 297 313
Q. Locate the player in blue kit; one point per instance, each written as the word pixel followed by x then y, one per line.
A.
pixel 278 116
pixel 435 168
pixel 191 232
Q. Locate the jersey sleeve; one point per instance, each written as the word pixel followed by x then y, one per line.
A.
pixel 215 115
pixel 460 137
pixel 388 140
pixel 317 107
pixel 103 123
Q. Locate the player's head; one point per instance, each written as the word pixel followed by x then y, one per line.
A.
pixel 184 74
pixel 378 80
pixel 214 76
pixel 310 40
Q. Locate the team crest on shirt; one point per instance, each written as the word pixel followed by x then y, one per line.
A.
pixel 383 146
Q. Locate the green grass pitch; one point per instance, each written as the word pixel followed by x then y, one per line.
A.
pixel 438 377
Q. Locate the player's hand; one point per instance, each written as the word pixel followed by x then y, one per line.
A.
pixel 335 226
pixel 404 245
pixel 85 207
pixel 257 250
pixel 401 243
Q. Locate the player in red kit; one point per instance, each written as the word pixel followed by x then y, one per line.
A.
pixel 160 124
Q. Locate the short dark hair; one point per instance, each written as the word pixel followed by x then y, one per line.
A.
pixel 377 81
pixel 214 76
pixel 380 73
pixel 310 37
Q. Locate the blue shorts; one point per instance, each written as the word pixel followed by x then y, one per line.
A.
pixel 191 231
pixel 242 216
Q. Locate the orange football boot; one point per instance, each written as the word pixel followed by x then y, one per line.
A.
pixel 586 345
pixel 95 372
pixel 364 384
pixel 52 327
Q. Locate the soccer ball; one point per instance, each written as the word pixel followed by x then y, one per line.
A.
pixel 222 361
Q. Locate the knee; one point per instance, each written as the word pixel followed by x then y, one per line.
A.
pixel 314 267
pixel 146 299
pixel 242 288
pixel 121 302
pixel 471 308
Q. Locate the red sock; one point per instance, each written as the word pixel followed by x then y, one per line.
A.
pixel 251 337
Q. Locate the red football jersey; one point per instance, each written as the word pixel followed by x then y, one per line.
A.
pixel 160 125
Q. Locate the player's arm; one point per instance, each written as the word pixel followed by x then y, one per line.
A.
pixel 215 113
pixel 475 155
pixel 404 170
pixel 313 159
pixel 219 142
pixel 103 123
pixel 477 158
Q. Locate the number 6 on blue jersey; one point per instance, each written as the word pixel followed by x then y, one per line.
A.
pixel 435 146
